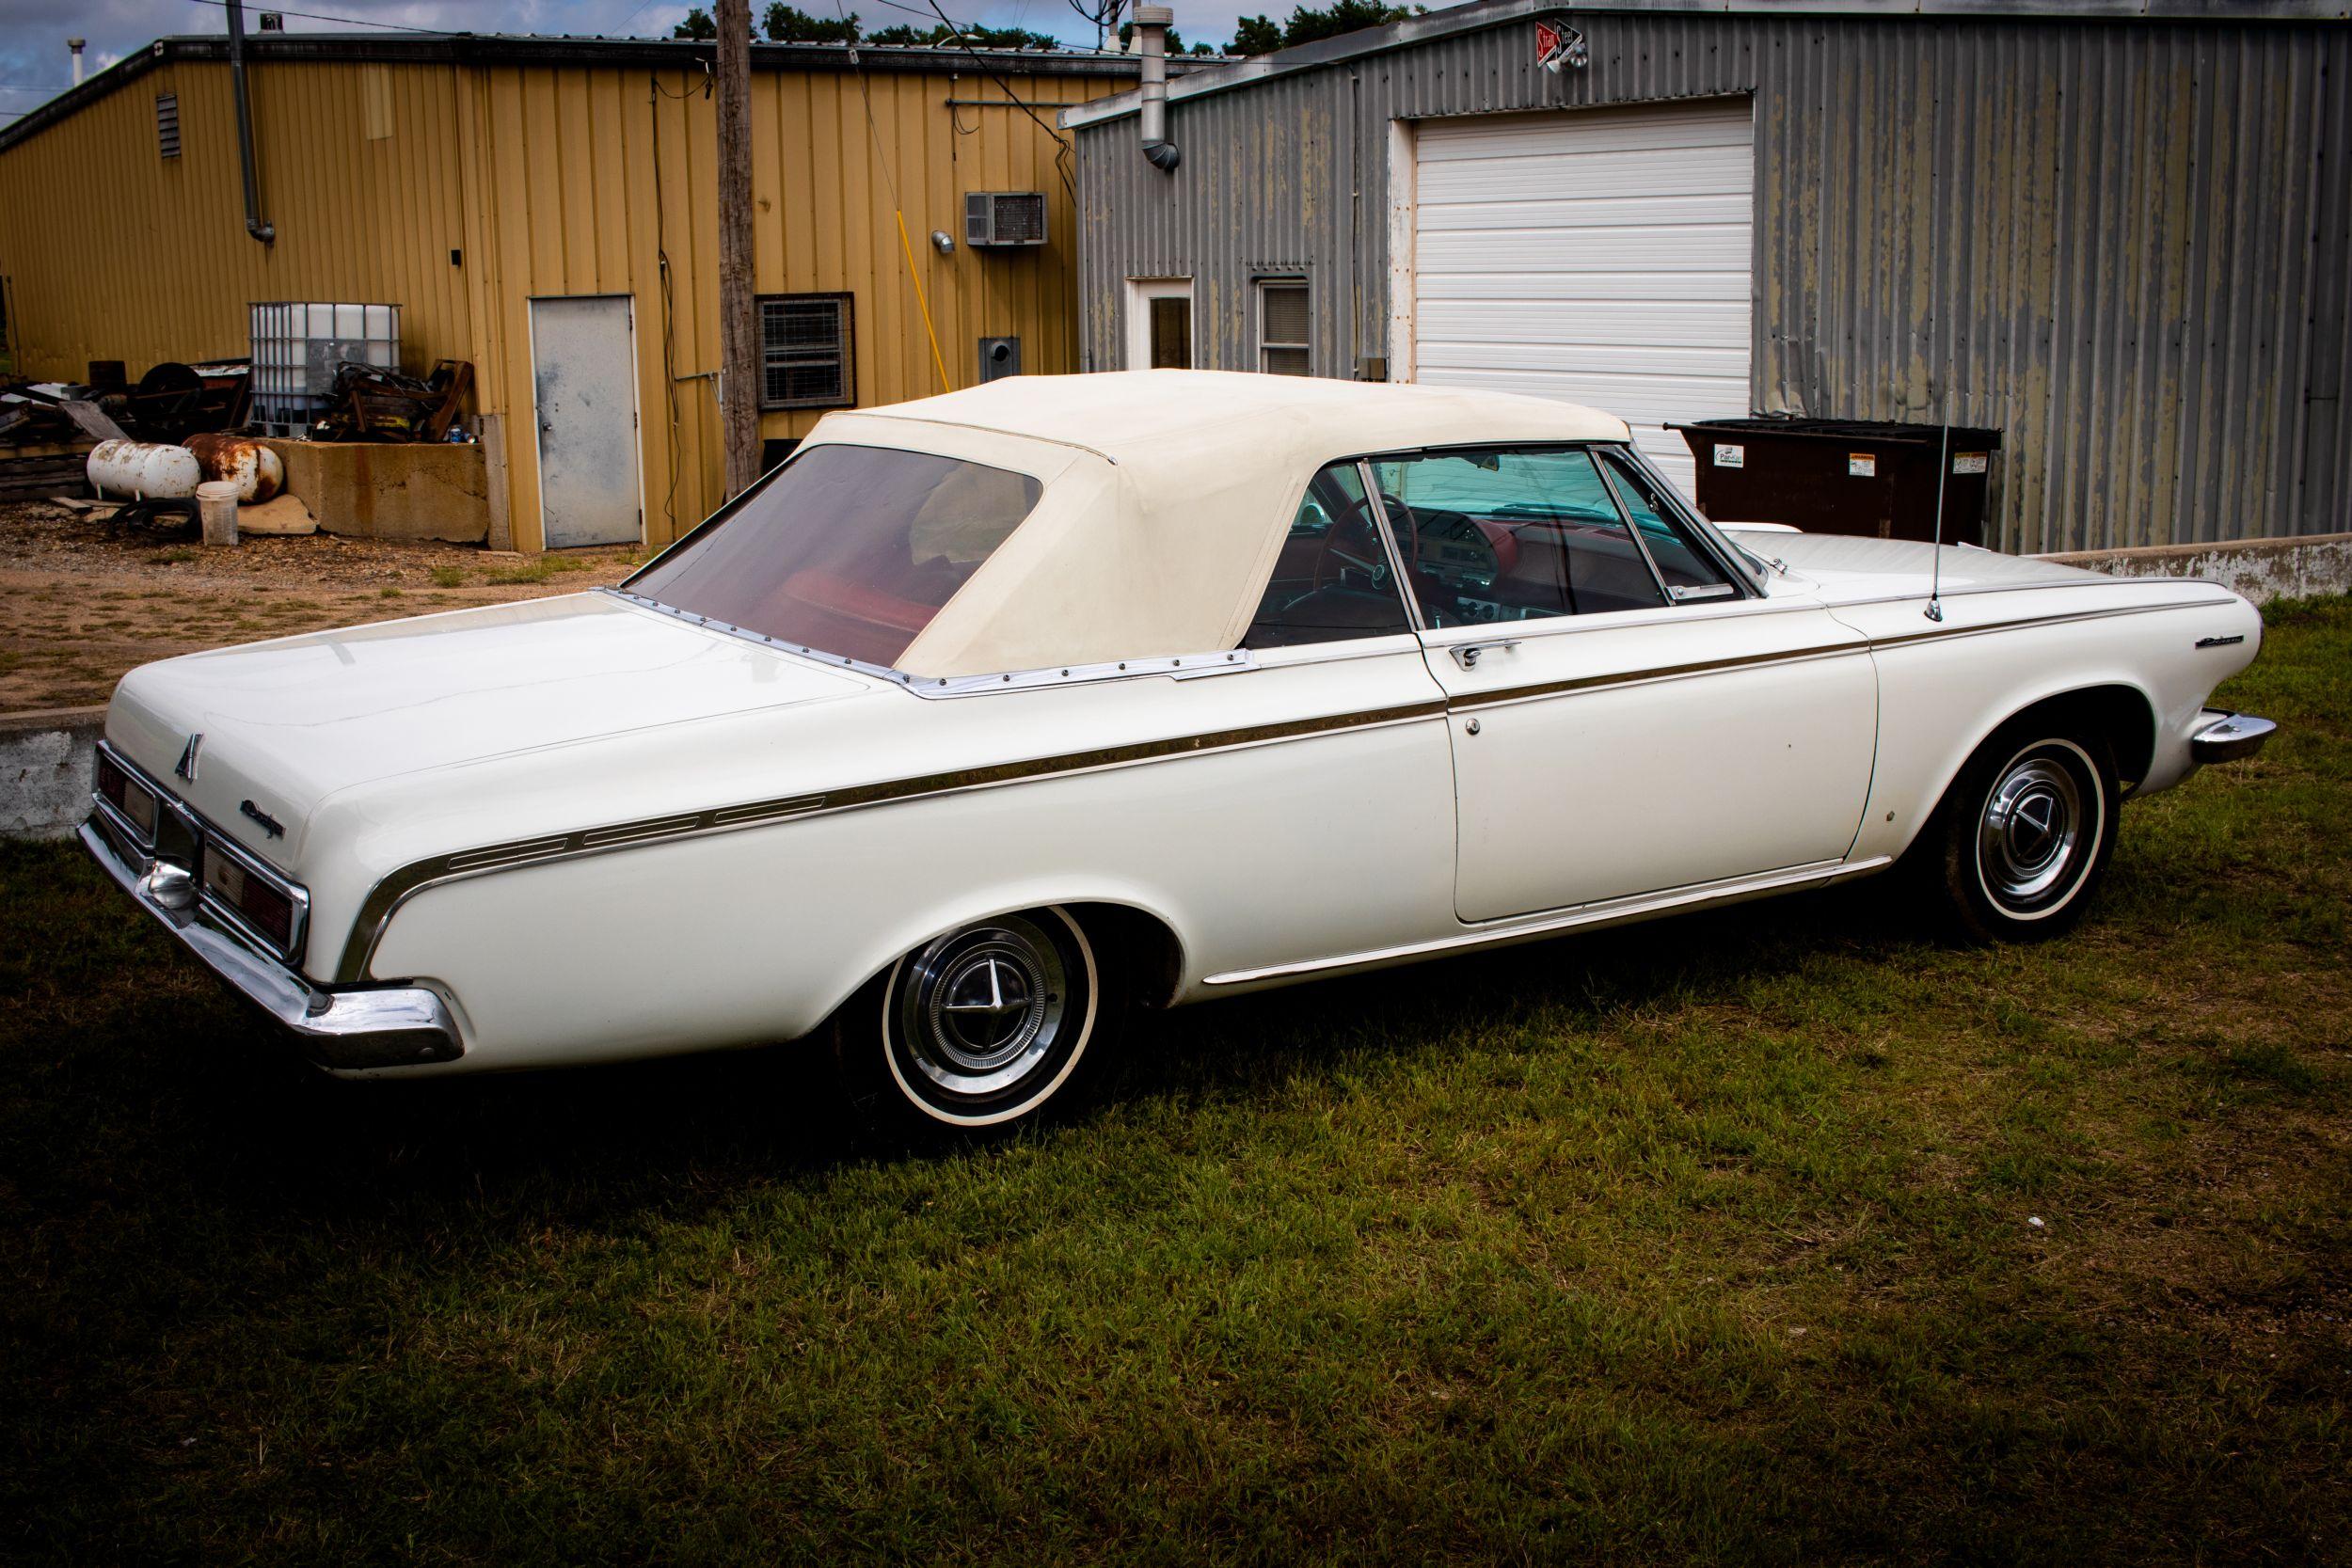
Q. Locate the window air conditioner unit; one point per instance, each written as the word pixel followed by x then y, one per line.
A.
pixel 1004 218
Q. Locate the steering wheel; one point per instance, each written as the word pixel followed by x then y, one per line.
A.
pixel 1362 549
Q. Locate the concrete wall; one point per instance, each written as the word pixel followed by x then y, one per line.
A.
pixel 374 490
pixel 2262 569
pixel 47 763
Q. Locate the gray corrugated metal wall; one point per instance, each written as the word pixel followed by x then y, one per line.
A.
pixel 2127 244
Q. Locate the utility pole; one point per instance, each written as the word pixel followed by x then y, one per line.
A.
pixel 739 355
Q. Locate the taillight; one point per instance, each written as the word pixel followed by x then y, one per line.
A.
pixel 259 905
pixel 128 796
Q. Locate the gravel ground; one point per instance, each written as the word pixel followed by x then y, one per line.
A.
pixel 82 601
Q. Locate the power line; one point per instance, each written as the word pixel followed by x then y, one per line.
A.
pixel 1061 142
pixel 347 21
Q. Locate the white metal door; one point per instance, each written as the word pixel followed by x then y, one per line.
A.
pixel 1595 255
pixel 584 357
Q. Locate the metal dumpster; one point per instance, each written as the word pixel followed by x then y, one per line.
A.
pixel 1844 476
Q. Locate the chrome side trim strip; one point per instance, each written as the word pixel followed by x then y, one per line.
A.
pixel 395 889
pixel 1906 638
pixel 1658 672
pixel 385 899
pixel 2095 580
pixel 1614 912
pixel 1793 656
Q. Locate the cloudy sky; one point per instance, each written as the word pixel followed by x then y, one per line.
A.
pixel 34 63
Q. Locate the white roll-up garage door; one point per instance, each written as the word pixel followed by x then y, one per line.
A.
pixel 1595 255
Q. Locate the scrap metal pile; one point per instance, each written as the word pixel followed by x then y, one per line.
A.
pixel 208 408
pixel 371 404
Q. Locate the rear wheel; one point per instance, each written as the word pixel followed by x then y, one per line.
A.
pixel 982 1029
pixel 2027 831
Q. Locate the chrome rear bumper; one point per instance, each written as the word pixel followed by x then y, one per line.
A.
pixel 2226 737
pixel 373 1027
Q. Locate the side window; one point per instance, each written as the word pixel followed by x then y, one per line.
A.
pixel 1509 534
pixel 1331 582
pixel 1689 573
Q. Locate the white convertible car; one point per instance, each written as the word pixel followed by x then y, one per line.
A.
pixel 989 714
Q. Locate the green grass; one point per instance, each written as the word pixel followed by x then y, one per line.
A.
pixel 538 569
pixel 1707 1241
pixel 449 576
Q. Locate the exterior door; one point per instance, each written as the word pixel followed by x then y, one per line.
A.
pixel 1595 255
pixel 1159 324
pixel 1626 715
pixel 584 357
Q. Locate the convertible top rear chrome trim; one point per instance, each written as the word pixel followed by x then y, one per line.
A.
pixel 1232 661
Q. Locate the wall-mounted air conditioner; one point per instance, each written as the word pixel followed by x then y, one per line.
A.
pixel 1004 218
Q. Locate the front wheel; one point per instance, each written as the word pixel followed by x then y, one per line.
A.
pixel 981 1029
pixel 2026 832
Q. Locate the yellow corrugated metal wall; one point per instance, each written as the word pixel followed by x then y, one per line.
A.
pixel 115 252
pixel 574 206
pixel 545 180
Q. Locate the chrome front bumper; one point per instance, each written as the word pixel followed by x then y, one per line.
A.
pixel 374 1026
pixel 2227 738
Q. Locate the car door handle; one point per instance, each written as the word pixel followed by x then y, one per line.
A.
pixel 1467 654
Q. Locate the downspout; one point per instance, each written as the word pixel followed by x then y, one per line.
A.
pixel 253 224
pixel 1152 23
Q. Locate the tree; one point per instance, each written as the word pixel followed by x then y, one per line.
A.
pixel 1256 35
pixel 1344 16
pixel 1171 44
pixel 790 25
pixel 940 36
pixel 1259 35
pixel 1205 48
pixel 696 26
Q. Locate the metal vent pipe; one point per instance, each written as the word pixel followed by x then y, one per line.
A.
pixel 75 46
pixel 253 224
pixel 1151 24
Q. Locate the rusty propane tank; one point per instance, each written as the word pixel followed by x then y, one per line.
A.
pixel 142 470
pixel 240 459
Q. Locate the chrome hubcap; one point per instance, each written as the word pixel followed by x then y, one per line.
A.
pixel 2026 838
pixel 982 1007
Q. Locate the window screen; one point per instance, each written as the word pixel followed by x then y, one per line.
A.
pixel 168 124
pixel 1511 534
pixel 805 352
pixel 1332 580
pixel 1282 327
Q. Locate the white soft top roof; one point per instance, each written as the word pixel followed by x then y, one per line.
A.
pixel 1167 495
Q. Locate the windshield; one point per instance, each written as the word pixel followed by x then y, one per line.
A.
pixel 848 549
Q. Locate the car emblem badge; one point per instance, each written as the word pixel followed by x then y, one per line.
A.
pixel 268 824
pixel 187 769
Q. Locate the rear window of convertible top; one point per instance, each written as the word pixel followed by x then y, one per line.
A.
pixel 849 550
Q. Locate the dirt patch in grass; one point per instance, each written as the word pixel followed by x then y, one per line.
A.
pixel 82 601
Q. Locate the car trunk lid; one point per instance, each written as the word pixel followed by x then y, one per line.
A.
pixel 286 723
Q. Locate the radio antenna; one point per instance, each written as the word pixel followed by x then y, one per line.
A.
pixel 1943 466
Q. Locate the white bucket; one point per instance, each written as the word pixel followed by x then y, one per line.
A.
pixel 217 503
